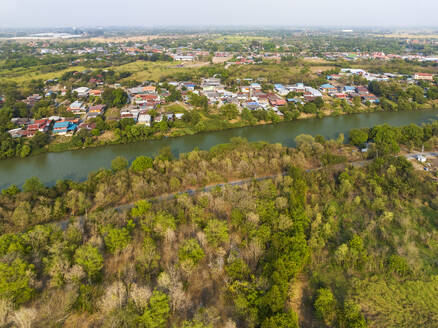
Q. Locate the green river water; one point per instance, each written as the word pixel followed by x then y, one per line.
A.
pixel 76 165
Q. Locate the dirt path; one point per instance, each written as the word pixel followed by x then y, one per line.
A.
pixel 301 302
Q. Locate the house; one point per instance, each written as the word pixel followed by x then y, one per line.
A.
pixel 188 85
pixel 353 71
pixel 253 105
pixel 39 125
pixel 179 116
pixel 282 91
pixel 423 76
pixel 146 98
pixel 339 95
pixel 144 119
pixel 361 90
pixel 315 93
pixel 298 88
pixel 16 133
pixel 49 93
pixel 64 127
pixel 96 110
pixel 149 89
pixel 129 115
pixel 349 89
pixel 183 57
pixel 33 99
pixel 95 93
pixel 275 100
pixel 244 89
pixel 82 91
pixel 255 86
pixel 86 126
pixel 370 97
pixel 77 107
pixel 328 88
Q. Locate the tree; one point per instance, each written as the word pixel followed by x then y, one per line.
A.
pixel 90 259
pixel 141 208
pixel 117 239
pixel 385 138
pixel 229 111
pixel 12 190
pixel 358 137
pixel 325 305
pixel 319 102
pixel 15 281
pixel 33 185
pixel 157 312
pixel 281 320
pixel 25 151
pixel 142 163
pixel 119 163
pixel 191 251
pixel 352 316
pixel 217 232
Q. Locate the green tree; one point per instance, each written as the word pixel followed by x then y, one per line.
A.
pixel 25 151
pixel 217 232
pixel 358 137
pixel 191 251
pixel 142 163
pixel 90 259
pixel 386 139
pixel 281 320
pixel 141 208
pixel 33 185
pixel 15 281
pixel 12 190
pixel 325 305
pixel 119 163
pixel 117 239
pixel 352 316
pixel 157 312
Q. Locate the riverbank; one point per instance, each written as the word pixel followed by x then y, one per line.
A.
pixel 109 138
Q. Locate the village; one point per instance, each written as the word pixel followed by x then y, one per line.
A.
pixel 146 104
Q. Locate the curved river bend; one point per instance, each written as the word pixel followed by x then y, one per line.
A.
pixel 76 165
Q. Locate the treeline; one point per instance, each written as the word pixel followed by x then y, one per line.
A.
pixel 385 139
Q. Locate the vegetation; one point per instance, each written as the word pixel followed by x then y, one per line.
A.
pixel 342 246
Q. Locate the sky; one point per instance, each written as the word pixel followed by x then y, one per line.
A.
pixel 158 13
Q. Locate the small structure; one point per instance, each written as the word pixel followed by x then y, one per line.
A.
pixel 423 76
pixel 144 119
pixel 82 91
pixel 421 158
pixel 64 127
pixel 77 107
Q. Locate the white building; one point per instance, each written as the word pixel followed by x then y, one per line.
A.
pixel 144 119
pixel 82 91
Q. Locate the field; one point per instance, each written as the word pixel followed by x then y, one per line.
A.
pixel 143 71
pixel 21 75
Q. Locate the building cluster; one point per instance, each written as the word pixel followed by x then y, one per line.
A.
pixel 352 56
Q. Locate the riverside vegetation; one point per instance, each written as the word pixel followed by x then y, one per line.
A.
pixel 340 246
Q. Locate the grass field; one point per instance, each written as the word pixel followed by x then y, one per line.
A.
pixel 143 71
pixel 20 75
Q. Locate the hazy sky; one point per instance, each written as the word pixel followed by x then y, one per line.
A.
pixel 57 13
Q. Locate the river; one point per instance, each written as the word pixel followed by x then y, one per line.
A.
pixel 76 165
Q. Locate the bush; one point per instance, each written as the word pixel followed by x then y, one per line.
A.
pixel 119 163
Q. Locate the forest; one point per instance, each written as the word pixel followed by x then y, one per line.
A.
pixel 319 242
